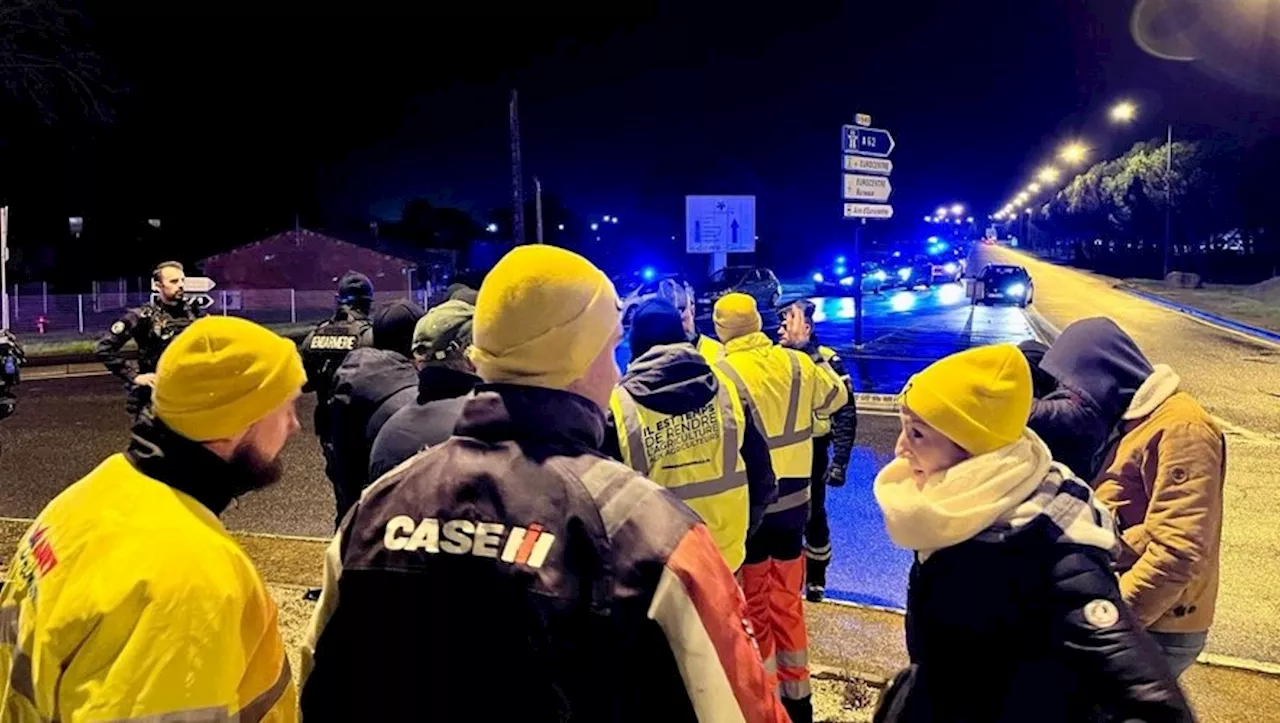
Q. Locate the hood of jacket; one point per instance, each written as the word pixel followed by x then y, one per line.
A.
pixel 162 454
pixel 1096 358
pixel 437 382
pixel 990 497
pixel 371 375
pixel 671 379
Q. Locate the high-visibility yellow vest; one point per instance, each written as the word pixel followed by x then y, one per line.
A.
pixel 710 349
pixel 787 391
pixel 697 456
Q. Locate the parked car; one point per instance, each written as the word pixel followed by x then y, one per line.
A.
pixel 837 280
pixel 1005 284
pixel 755 281
pixel 635 289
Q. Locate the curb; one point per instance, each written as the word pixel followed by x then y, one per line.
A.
pixel 1203 316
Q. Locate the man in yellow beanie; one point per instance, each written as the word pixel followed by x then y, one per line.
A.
pixel 127 598
pixel 787 389
pixel 1012 611
pixel 524 552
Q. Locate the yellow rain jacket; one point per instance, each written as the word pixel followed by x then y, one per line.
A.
pixel 787 390
pixel 710 349
pixel 128 601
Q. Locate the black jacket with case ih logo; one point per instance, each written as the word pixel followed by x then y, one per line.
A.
pixel 514 573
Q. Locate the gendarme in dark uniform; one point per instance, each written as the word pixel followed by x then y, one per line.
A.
pixel 326 346
pixel 151 326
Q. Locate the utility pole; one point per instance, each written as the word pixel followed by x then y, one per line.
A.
pixel 537 202
pixel 517 179
pixel 1168 195
pixel 857 283
pixel 4 268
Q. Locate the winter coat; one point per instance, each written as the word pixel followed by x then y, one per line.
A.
pixel 1012 611
pixel 1163 475
pixel 1161 470
pixel 513 573
pixel 128 600
pixel 675 379
pixel 429 420
pixel 1073 427
pixel 370 386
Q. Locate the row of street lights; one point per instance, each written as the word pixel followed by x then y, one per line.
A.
pixel 595 225
pixel 1074 154
pixel 952 214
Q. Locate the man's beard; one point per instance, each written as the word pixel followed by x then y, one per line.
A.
pixel 249 471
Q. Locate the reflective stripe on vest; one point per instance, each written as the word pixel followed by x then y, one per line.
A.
pixel 789 434
pixel 730 444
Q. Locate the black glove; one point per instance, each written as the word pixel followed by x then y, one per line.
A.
pixel 834 476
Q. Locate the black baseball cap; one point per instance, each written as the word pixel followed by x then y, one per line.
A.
pixel 354 285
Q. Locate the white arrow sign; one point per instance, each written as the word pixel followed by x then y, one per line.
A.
pixel 868 210
pixel 866 188
pixel 198 285
pixel 866 164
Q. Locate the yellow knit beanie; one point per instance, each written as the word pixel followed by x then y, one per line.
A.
pixel 980 399
pixel 542 317
pixel 736 315
pixel 223 374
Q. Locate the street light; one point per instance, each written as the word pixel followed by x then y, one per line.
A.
pixel 1022 197
pixel 1074 152
pixel 1048 174
pixel 969 220
pixel 491 228
pixel 942 211
pixel 595 226
pixel 928 219
pixel 957 209
pixel 560 227
pixel 606 219
pixel 1033 188
pixel 1123 112
pixel 614 219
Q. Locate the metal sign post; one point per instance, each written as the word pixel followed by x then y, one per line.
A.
pixel 865 166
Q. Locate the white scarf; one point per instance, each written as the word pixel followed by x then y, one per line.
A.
pixel 956 504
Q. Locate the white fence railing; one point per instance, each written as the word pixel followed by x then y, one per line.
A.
pixel 34 311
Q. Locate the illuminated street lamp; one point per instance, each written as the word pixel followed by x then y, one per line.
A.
pixel 1048 174
pixel 957 209
pixel 491 228
pixel 928 219
pixel 606 219
pixel 595 226
pixel 1033 188
pixel 1022 197
pixel 969 220
pixel 560 227
pixel 613 219
pixel 1074 152
pixel 942 211
pixel 1123 112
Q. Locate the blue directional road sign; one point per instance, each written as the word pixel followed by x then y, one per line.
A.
pixel 867 141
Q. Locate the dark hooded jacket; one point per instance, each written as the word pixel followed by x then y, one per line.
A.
pixel 372 384
pixel 442 393
pixel 676 379
pixel 1098 368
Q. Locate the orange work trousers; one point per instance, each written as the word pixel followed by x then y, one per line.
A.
pixel 773 583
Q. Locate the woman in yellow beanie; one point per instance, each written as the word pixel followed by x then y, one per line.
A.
pixel 1012 611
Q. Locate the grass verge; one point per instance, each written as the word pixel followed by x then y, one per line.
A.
pixel 1257 305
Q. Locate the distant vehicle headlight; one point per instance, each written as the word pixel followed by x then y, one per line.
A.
pixel 1017 289
pixel 880 276
pixel 950 267
pixel 818 278
pixel 846 281
pixel 904 274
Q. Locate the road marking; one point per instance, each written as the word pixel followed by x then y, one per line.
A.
pixel 33 376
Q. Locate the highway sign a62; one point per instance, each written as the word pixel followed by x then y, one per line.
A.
pixel 866 141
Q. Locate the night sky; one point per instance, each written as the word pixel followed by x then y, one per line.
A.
pixel 228 120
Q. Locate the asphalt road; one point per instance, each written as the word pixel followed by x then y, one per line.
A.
pixel 1237 379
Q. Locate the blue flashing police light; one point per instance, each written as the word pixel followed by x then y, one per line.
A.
pixel 648 273
pixel 839 259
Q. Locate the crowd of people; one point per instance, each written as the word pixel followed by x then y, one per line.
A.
pixel 525 530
